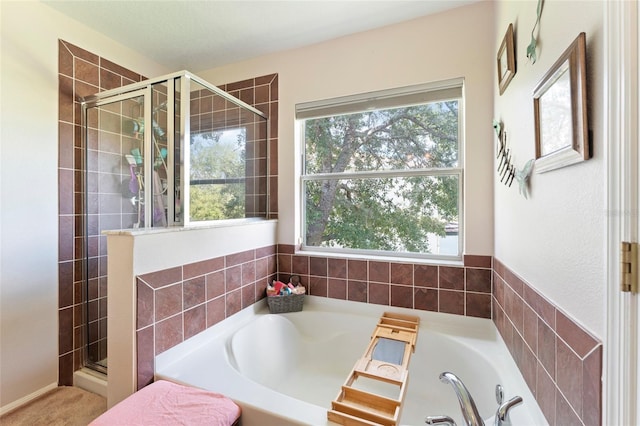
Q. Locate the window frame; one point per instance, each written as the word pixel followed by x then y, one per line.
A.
pixel 391 98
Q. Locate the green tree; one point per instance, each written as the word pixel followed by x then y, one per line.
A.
pixel 391 213
pixel 218 157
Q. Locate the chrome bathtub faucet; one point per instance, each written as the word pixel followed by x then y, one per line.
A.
pixel 468 406
pixel 502 415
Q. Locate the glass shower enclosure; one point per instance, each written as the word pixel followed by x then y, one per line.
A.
pixel 171 151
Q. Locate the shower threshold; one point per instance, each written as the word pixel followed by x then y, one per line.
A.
pixel 91 380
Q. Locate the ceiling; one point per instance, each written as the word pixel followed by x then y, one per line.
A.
pixel 198 35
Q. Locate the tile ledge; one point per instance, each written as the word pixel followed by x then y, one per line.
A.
pixel 208 225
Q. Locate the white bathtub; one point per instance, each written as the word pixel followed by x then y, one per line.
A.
pixel 287 368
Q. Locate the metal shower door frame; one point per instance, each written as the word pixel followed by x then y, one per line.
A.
pixel 85 107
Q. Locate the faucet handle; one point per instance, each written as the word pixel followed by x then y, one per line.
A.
pixel 499 394
pixel 502 414
pixel 439 420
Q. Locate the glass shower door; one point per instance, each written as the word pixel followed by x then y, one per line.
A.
pixel 114 199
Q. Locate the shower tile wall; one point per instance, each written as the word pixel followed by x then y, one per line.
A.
pixel 261 93
pixel 83 73
pixel 561 362
pixel 80 73
pixel 210 112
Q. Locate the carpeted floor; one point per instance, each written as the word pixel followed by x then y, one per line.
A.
pixel 64 406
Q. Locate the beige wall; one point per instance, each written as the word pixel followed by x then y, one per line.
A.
pixel 29 176
pixel 555 240
pixel 457 43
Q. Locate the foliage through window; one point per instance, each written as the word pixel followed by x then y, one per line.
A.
pixel 384 180
pixel 218 175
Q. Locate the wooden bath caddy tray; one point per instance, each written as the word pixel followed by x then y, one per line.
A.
pixel 375 389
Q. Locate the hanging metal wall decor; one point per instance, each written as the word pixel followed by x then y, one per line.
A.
pixel 531 49
pixel 507 171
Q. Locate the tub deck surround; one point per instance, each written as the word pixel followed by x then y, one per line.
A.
pixel 560 361
pixel 285 369
pixel 170 306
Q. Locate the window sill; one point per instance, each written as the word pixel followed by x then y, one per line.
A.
pixel 448 261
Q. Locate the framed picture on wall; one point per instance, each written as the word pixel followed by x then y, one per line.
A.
pixel 506 60
pixel 560 111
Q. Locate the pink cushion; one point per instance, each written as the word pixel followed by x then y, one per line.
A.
pixel 167 403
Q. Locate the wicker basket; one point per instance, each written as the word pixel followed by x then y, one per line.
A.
pixel 283 304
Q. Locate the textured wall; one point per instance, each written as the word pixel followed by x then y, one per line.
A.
pixel 555 239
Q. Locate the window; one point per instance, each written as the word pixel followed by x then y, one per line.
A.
pixel 382 172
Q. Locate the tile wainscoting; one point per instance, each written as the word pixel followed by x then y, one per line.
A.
pixel 461 290
pixel 177 303
pixel 560 361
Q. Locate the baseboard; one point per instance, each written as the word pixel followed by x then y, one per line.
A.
pixel 26 399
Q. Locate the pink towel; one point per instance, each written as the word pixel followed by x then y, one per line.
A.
pixel 167 403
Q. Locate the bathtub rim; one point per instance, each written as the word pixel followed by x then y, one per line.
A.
pixel 483 330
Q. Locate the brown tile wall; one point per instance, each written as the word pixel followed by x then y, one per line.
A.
pixel 264 91
pixel 177 303
pixel 82 73
pixel 560 361
pixel 262 94
pixel 461 290
pixel 212 112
